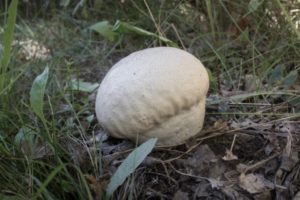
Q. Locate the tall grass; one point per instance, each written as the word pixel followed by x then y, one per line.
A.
pixel 7 45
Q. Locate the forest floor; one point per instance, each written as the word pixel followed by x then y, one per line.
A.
pixel 249 147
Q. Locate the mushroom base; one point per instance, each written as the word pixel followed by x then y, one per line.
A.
pixel 176 130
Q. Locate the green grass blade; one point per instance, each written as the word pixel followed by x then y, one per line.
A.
pixel 7 42
pixel 9 197
pixel 289 19
pixel 37 93
pixel 128 166
pixel 210 16
pixel 123 27
pixel 79 85
pixel 242 97
pixel 9 34
pixel 47 181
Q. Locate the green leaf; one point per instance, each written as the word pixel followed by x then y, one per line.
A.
pixel 64 3
pixel 290 79
pixel 89 118
pixel 254 4
pixel 123 27
pixel 128 166
pixel 105 29
pixel 83 86
pixel 24 134
pixel 37 93
pixel 25 140
pixel 276 74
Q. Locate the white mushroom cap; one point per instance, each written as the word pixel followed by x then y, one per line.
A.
pixel 157 92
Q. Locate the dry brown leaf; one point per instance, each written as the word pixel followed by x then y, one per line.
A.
pixel 205 163
pixel 202 190
pixel 252 83
pixel 273 143
pixel 231 193
pixel 202 156
pixel 221 125
pixel 289 156
pixel 263 196
pixel 255 183
pixel 39 149
pixel 236 29
pixel 251 123
pixel 241 167
pixel 98 186
pixel 215 183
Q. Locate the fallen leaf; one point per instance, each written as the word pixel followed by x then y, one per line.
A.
pixel 202 158
pixel 252 83
pixel 289 162
pixel 237 29
pixel 220 125
pixel 31 144
pixel 231 193
pixel 241 167
pixel 108 149
pixel 254 183
pixel 272 143
pixel 205 163
pixel 98 186
pixel 101 136
pixel 250 123
pixel 202 190
pixel 215 183
pixel 286 127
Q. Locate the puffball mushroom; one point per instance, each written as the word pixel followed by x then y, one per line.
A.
pixel 154 93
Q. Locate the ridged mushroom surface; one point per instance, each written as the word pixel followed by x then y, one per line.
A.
pixel 157 92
